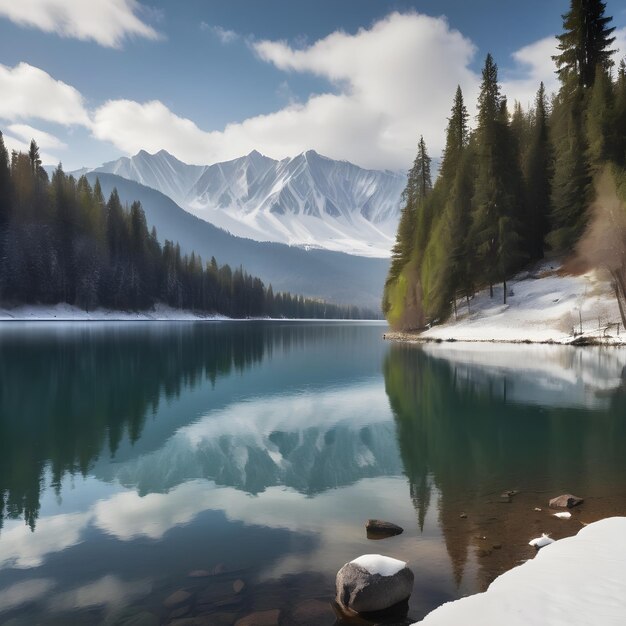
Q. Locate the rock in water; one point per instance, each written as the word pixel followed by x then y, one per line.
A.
pixel 378 529
pixel 565 501
pixel 373 583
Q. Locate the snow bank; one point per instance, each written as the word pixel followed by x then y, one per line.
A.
pixel 378 564
pixel 544 307
pixel 66 312
pixel 575 581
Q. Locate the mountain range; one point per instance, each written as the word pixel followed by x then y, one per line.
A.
pixel 308 201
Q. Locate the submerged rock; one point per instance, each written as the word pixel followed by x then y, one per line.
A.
pixel 565 501
pixel 379 529
pixel 373 583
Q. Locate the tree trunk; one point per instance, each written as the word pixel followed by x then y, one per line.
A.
pixel 491 290
pixel 504 285
pixel 456 314
pixel 619 294
pixel 468 304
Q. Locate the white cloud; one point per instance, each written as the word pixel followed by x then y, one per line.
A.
pixel 225 35
pixel 534 65
pixel 107 22
pixel 44 140
pixel 389 84
pixel 131 126
pixel 29 92
pixel 395 81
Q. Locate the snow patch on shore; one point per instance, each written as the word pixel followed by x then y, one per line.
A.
pixel 543 306
pixel 67 312
pixel 575 581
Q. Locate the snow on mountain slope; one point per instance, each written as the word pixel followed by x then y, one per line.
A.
pixel 161 171
pixel 308 200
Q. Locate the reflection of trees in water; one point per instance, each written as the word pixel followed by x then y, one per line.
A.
pixel 467 439
pixel 67 393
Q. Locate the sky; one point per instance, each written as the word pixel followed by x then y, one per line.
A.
pixel 212 80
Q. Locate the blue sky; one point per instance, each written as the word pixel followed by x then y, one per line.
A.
pixel 209 80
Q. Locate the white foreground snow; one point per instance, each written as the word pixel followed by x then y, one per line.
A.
pixel 544 307
pixel 378 564
pixel 577 581
pixel 66 312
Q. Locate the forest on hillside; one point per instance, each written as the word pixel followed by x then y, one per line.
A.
pixel 61 241
pixel 520 184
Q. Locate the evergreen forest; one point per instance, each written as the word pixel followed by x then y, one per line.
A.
pixel 62 242
pixel 514 185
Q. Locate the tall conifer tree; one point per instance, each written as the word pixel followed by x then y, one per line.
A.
pixel 585 44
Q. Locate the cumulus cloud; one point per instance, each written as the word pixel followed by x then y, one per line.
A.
pixel 395 81
pixel 29 92
pixel 388 84
pixel 107 22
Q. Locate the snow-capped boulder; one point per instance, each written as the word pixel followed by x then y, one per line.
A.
pixel 373 583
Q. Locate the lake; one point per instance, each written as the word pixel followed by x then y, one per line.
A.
pixel 151 473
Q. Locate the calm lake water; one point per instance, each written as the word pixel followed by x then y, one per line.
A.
pixel 132 455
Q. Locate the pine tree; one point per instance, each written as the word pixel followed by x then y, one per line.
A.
pixel 5 189
pixel 619 141
pixel 599 120
pixel 456 136
pixel 539 167
pixel 497 183
pixel 585 44
pixel 418 188
pixel 571 182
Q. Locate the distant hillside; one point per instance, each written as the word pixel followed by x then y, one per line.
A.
pixel 333 276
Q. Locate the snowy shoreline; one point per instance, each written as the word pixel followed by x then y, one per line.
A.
pixel 575 581
pixel 545 307
pixel 160 313
pixel 69 313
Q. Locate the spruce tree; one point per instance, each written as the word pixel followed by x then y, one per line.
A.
pixel 418 188
pixel 619 133
pixel 571 182
pixel 456 136
pixel 5 188
pixel 539 167
pixel 599 121
pixel 495 213
pixel 585 44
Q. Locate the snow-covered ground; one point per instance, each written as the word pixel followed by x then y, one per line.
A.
pixel 66 312
pixel 545 306
pixel 576 581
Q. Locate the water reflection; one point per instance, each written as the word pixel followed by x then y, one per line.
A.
pixel 137 453
pixel 476 421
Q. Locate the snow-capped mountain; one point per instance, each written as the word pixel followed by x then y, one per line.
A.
pixel 307 200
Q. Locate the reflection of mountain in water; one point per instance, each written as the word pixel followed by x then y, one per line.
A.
pixel 468 420
pixel 74 396
pixel 309 442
